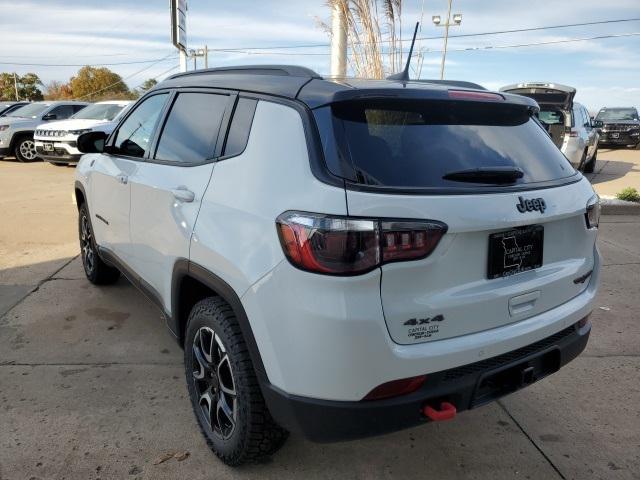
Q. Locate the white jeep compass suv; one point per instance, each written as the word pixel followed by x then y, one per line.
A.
pixel 56 141
pixel 342 258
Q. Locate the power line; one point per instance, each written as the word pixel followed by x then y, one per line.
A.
pixel 81 64
pixel 485 47
pixel 127 77
pixel 479 34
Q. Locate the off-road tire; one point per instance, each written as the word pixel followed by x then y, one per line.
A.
pixel 24 142
pixel 96 270
pixel 591 165
pixel 255 434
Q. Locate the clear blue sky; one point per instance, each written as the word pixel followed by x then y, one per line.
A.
pixel 605 72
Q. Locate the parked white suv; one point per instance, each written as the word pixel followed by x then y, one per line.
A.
pixel 17 127
pixel 342 259
pixel 55 142
pixel 567 122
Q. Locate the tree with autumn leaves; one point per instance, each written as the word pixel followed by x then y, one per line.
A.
pixel 28 86
pixel 90 84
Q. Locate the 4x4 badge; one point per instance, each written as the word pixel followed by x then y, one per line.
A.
pixel 423 321
pixel 530 205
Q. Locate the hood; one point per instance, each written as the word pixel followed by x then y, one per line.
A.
pixel 18 122
pixel 72 124
pixel 546 94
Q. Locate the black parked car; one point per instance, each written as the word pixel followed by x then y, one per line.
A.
pixel 619 126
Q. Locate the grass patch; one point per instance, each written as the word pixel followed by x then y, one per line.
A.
pixel 629 194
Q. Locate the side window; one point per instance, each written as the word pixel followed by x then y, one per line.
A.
pixel 240 127
pixel 576 117
pixel 77 108
pixel 190 132
pixel 587 119
pixel 134 135
pixel 62 111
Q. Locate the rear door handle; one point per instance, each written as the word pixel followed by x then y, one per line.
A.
pixel 123 179
pixel 183 194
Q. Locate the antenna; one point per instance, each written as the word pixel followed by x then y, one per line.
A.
pixel 404 75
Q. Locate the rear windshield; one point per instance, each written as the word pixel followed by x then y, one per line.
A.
pixel 551 117
pixel 414 144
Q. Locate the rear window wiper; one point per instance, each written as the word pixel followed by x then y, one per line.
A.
pixel 486 175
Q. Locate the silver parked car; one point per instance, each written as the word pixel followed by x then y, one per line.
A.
pixel 567 122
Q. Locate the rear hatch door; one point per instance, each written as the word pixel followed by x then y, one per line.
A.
pixel 512 249
pixel 546 94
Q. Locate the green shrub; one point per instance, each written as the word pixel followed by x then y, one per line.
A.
pixel 629 194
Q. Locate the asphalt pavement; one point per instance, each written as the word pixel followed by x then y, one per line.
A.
pixel 92 384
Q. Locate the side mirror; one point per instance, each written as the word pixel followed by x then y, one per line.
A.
pixel 92 142
pixel 49 116
pixel 598 123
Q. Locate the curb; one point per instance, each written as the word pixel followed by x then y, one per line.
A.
pixel 613 206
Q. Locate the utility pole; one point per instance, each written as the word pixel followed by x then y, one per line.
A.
pixel 338 42
pixel 183 60
pixel 15 85
pixel 201 52
pixel 457 20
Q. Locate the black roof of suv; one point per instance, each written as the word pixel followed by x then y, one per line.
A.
pixel 304 84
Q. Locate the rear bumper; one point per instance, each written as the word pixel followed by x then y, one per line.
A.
pixel 4 152
pixel 328 421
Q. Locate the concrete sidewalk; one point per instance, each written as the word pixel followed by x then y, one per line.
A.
pixel 92 384
pixel 615 170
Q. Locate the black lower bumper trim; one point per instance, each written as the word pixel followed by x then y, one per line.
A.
pixel 58 157
pixel 465 387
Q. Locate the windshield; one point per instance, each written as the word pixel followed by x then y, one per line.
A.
pixel 32 110
pixel 613 114
pixel 99 111
pixel 414 144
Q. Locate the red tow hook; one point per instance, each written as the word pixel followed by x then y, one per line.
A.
pixel 447 412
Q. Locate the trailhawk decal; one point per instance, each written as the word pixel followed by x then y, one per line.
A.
pixel 424 327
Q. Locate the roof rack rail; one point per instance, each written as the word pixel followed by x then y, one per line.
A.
pixel 453 83
pixel 281 70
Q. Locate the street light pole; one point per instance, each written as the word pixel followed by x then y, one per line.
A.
pixel 338 42
pixel 457 20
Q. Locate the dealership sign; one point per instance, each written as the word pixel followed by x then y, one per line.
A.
pixel 179 23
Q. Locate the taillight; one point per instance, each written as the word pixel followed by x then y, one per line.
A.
pixel 593 212
pixel 570 132
pixel 396 388
pixel 409 240
pixel 337 245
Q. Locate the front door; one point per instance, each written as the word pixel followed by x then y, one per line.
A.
pixel 113 170
pixel 166 190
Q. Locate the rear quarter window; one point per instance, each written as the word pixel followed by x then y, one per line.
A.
pixel 414 144
pixel 240 127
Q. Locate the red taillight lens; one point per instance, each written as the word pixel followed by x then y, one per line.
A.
pixel 396 388
pixel 351 246
pixel 409 240
pixel 325 244
pixel 571 132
